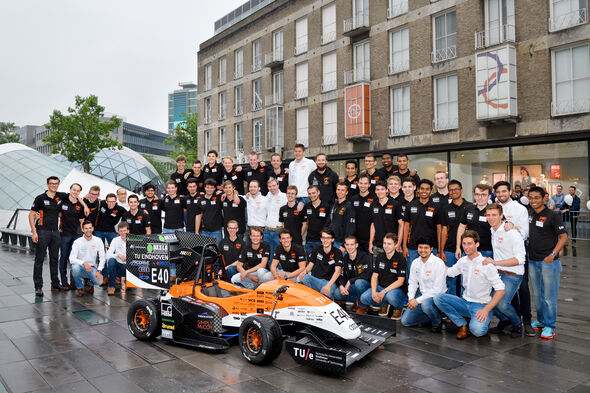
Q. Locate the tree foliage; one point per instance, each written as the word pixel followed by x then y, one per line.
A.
pixel 185 139
pixel 82 133
pixel 7 134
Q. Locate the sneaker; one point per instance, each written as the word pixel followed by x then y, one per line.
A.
pixel 516 331
pixel 537 325
pixel 38 292
pixel 436 328
pixel 111 291
pixel 384 311
pixel 499 328
pixel 529 331
pixel 548 333
pixel 397 315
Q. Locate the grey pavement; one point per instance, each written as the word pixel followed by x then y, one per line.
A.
pixel 70 344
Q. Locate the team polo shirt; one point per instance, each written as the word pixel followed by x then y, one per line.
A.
pixel 237 178
pixel 375 177
pixel 475 220
pixel 385 173
pixel 292 220
pixel 324 264
pixel 544 230
pixel 211 208
pixel 251 257
pixel 213 172
pixel 200 181
pixel 404 202
pixel 423 219
pixel 48 209
pixel 326 183
pixel 363 215
pixel 399 198
pixel 231 250
pixel 154 208
pixel 282 178
pixel 353 187
pixel 317 218
pixel 260 174
pixel 451 216
pixel 93 207
pixel 389 270
pixel 439 199
pixel 138 222
pixel 361 267
pixel 191 204
pixel 385 217
pixel 71 214
pixel 405 174
pixel 233 211
pixel 180 181
pixel 108 218
pixel 342 220
pixel 174 209
pixel 289 260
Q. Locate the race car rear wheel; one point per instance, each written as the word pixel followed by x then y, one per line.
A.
pixel 260 339
pixel 143 320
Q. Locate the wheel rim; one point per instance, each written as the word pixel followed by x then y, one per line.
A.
pixel 253 340
pixel 141 319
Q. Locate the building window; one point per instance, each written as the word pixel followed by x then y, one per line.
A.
pixel 257 95
pixel 301 84
pixel 446 112
pixel 239 131
pixel 399 48
pixel 275 134
pixel 208 142
pixel 222 106
pixel 400 111
pixel 571 80
pixel 444 37
pixel 330 136
pixel 277 45
pixel 328 24
pixel 362 64
pixel 303 126
pixel 277 89
pixel 207 77
pixel 301 36
pixel 360 10
pixel 207 110
pixel 222 142
pixel 567 13
pixel 222 71
pixel 256 55
pixel 238 63
pixel 329 82
pixel 499 24
pixel 397 8
pixel 238 100
pixel 257 136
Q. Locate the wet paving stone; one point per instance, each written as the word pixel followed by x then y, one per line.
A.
pixel 91 317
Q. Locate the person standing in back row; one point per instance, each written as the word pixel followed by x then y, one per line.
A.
pixel 299 170
pixel 324 178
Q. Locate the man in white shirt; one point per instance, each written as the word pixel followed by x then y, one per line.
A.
pixel 256 207
pixel 509 256
pixel 87 253
pixel 299 170
pixel 478 281
pixel 428 277
pixel 122 198
pixel 275 199
pixel 117 258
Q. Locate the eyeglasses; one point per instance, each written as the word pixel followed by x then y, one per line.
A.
pixel 454 189
pixel 53 183
pixel 326 238
pixel 480 195
pixel 232 229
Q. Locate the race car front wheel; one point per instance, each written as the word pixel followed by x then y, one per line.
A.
pixel 143 320
pixel 260 339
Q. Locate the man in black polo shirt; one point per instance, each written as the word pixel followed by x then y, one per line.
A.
pixel 179 175
pixel 209 220
pixel 253 259
pixel 257 171
pixel 388 167
pixel 232 173
pixel 91 200
pixel 324 178
pixel 352 178
pixel 70 228
pixel 342 216
pixel 451 215
pixel 421 220
pixel 402 168
pixel 316 216
pixel 289 259
pixel 291 215
pixel 137 220
pixel 191 204
pixel 234 207
pixel 387 217
pixel 355 277
pixel 409 192
pixel 109 215
pixel 475 219
pixel 276 171
pixel 153 207
pixel 371 170
pixel 387 281
pixel 196 172
pixel 230 248
pixel 173 207
pixel 46 233
pixel 441 180
pixel 325 263
pixel 394 187
pixel 362 206
pixel 547 237
pixel 212 169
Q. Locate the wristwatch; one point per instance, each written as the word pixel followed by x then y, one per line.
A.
pixel 385 291
pixel 554 254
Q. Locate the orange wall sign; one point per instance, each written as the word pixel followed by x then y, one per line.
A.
pixel 357 106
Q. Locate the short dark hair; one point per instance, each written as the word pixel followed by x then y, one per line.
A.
pixel 472 234
pixel 500 184
pixel 495 206
pixel 257 229
pixel 52 178
pixel 299 146
pixel 132 196
pixel 365 176
pixel 76 184
pixel 192 180
pixel 426 181
pixel 403 155
pixel 381 183
pixel 456 182
pixel 210 182
pixel 423 240
pixel 110 195
pixel 341 183
pixel 350 237
pixel 285 231
pixel 483 187
pixel 390 236
pixel 386 154
pixel 539 190
pixel 214 152
pixel 197 162
pixel 86 222
pixel 574 187
pixel 310 187
pixel 328 231
pixel 149 187
pixel 351 162
pixel 409 179
pixel 123 224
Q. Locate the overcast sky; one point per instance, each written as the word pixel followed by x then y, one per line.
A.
pixel 130 53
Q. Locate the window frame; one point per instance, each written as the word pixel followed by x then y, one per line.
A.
pixel 436 121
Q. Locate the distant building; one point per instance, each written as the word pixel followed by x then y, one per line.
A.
pixel 181 102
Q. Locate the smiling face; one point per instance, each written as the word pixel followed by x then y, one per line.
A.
pixel 228 164
pixel 133 204
pixel 424 191
pixel 211 158
pixel 409 189
pixel 503 194
pixel 111 202
pixel 341 192
pixel 494 217
pixel 402 163
pixel 387 160
pixel 536 199
pixel 75 190
pixel 313 193
pixel 441 180
pixel 469 246
pixel 370 163
pixel 350 170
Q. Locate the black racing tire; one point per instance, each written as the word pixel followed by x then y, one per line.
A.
pixel 144 320
pixel 260 338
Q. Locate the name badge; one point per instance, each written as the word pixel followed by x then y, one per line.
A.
pixel 188 201
pixel 138 221
pixel 154 207
pixel 309 211
pixel 226 248
pixel 142 205
pixel 387 211
pixel 539 224
pixel 429 214
pixel 356 203
pixel 249 173
pixel 285 214
pixel 322 214
pixel 129 221
pixel 436 199
pixel 373 181
pixel 414 210
pixel 212 202
pixel 353 186
pixel 113 215
pixel 46 203
pixel 102 209
pixel 367 204
pixel 280 179
pixel 64 207
pixel 203 202
pixel 469 216
pixel 482 219
pixel 282 257
pixel 214 170
pixel 452 214
pixel 249 254
pixel 177 201
pixel 375 210
pixel 234 205
pixel 234 177
pixel 320 257
pixel 331 262
pixel 259 256
pixel 177 180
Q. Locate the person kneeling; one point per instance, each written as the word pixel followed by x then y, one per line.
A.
pixel 356 273
pixel 117 259
pixel 478 280
pixel 387 280
pixel 252 261
pixel 85 252
pixel 428 276
pixel 324 266
pixel 290 257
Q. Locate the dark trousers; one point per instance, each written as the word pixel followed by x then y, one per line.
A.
pixel 522 300
pixel 66 248
pixel 47 240
pixel 574 224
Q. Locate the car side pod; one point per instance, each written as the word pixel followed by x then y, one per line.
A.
pixel 318 349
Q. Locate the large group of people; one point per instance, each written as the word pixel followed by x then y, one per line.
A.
pixel 378 240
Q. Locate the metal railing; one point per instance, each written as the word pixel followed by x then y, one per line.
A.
pixel 328 37
pixel 577 224
pixel 570 19
pixel 399 130
pixel 494 36
pixel 445 124
pixel 396 8
pixel 329 140
pixel 357 75
pixel 257 65
pixel 398 66
pixel 329 85
pixel 17 237
pixel 300 94
pixel 361 19
pixel 238 74
pixel 569 107
pixel 273 99
pixel 273 57
pixel 442 54
pixel 301 48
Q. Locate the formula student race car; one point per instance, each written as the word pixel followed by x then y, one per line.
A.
pixel 203 312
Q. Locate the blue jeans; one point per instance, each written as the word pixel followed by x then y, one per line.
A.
pixel 66 248
pixel 504 309
pixel 246 282
pixel 80 273
pixel 303 200
pixel 456 308
pixel 425 312
pixel 317 284
pixel 108 236
pixel 230 271
pixel 218 235
pixel 544 278
pixel 337 245
pixel 115 269
pixel 354 292
pixel 486 254
pixel 168 230
pixel 397 298
pixel 272 239
pixel 310 245
pixel 451 281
